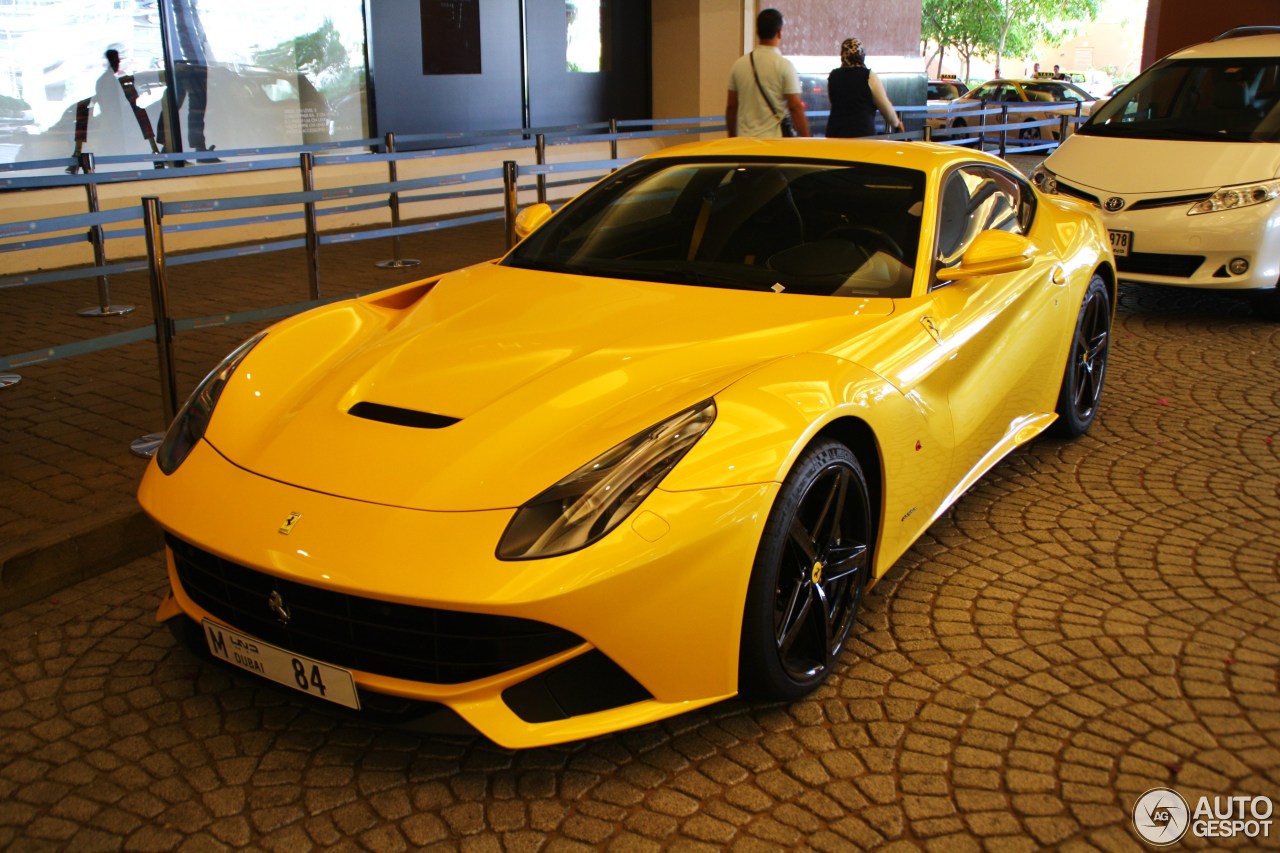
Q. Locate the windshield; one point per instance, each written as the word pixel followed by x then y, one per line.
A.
pixel 1051 91
pixel 818 228
pixel 1227 100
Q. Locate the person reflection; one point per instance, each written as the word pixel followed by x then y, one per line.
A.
pixel 190 80
pixel 116 96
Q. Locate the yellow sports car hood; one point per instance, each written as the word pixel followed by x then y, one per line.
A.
pixel 480 391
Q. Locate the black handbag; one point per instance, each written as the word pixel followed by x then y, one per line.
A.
pixel 788 129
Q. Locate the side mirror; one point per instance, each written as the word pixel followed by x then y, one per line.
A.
pixel 991 252
pixel 529 219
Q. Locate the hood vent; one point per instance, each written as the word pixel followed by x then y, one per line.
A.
pixel 400 417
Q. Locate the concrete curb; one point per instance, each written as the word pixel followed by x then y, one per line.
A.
pixel 74 552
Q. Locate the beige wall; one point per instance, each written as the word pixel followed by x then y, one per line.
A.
pixel 694 43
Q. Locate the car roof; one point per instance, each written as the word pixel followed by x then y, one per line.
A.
pixel 924 156
pixel 1267 45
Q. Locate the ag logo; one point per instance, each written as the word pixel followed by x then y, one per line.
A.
pixel 1114 203
pixel 1161 816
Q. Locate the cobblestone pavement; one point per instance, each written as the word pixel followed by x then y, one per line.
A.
pixel 1092 620
pixel 67 478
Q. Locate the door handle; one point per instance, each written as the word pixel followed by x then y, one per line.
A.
pixel 1059 275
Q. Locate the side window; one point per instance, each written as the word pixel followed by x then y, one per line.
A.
pixel 977 199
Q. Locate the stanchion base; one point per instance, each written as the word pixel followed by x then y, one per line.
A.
pixel 146 446
pixel 7 379
pixel 399 263
pixel 109 311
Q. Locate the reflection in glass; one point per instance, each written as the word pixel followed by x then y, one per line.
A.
pixel 583 47
pixel 89 75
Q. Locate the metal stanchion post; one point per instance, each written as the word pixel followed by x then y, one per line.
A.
pixel 1004 129
pixel 613 141
pixel 928 133
pixel 396 261
pixel 510 174
pixel 147 446
pixel 1064 126
pixel 99 239
pixel 540 154
pixel 308 162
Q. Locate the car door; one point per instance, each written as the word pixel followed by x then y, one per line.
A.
pixel 992 327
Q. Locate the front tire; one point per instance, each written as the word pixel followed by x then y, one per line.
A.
pixel 809 574
pixel 1086 363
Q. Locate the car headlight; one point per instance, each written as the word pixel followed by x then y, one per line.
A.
pixel 192 420
pixel 1229 198
pixel 1045 181
pixel 596 498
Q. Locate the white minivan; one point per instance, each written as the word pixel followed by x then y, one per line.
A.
pixel 1184 165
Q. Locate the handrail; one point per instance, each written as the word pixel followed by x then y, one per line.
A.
pixel 495 181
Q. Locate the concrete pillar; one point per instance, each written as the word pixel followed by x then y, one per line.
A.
pixel 694 44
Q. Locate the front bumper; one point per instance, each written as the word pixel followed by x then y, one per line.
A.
pixel 660 597
pixel 1172 248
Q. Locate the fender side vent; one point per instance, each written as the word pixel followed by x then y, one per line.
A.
pixel 401 417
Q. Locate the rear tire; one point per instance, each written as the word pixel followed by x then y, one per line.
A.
pixel 810 571
pixel 1086 363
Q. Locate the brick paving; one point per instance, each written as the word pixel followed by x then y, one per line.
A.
pixel 1091 620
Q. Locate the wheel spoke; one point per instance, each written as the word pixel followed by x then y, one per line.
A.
pixel 832 507
pixel 794 617
pixel 805 541
pixel 1096 347
pixel 844 560
pixel 824 624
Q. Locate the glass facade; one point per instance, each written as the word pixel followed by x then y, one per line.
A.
pixel 91 75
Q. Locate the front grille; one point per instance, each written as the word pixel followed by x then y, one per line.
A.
pixel 1170 201
pixel 1076 192
pixel 397 640
pixel 1150 263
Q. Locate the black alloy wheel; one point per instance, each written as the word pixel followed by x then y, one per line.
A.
pixel 1029 132
pixel 1086 363
pixel 810 571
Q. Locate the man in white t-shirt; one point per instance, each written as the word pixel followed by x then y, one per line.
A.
pixel 752 112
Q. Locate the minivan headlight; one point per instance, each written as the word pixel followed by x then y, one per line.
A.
pixel 1044 180
pixel 1230 198
pixel 193 419
pixel 596 498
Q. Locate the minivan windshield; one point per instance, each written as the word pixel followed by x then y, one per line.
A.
pixel 1220 100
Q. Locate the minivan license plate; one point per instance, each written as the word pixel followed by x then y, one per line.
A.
pixel 1121 243
pixel 283 667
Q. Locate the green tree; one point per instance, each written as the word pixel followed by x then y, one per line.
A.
pixel 967 26
pixel 1023 23
pixel 319 55
pixel 999 28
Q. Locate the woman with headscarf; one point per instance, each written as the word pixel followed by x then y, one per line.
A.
pixel 856 93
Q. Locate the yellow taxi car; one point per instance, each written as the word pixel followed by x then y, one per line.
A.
pixel 650 459
pixel 1068 98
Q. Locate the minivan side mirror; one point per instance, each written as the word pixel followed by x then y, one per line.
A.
pixel 991 252
pixel 529 219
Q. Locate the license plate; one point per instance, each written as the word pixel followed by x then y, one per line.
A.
pixel 1121 243
pixel 281 666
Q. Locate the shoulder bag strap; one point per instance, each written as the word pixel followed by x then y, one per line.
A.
pixel 763 94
